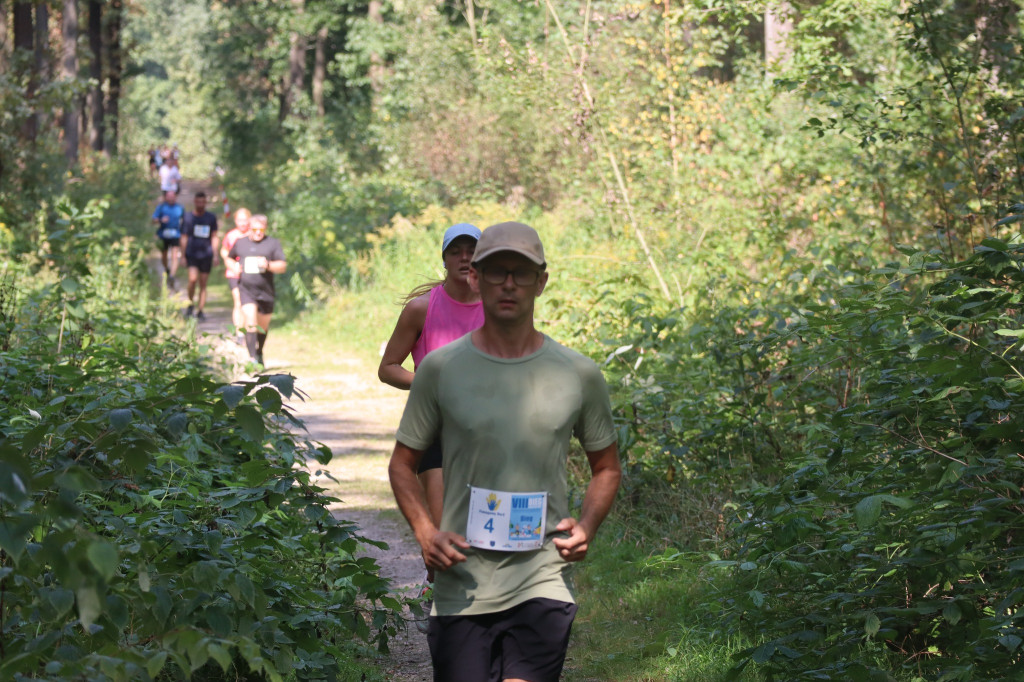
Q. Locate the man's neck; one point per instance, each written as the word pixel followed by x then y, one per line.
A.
pixel 516 341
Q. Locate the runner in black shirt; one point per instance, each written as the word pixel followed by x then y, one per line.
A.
pixel 261 257
pixel 199 241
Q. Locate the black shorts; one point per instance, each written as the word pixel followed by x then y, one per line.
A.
pixel 202 264
pixel 264 306
pixel 527 641
pixel 431 457
pixel 168 243
pixel 232 283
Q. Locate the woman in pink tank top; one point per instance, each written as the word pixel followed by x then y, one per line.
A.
pixel 434 315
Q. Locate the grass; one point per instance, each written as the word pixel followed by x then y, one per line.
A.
pixel 641 620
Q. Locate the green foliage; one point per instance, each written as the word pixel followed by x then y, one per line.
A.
pixel 894 533
pixel 155 523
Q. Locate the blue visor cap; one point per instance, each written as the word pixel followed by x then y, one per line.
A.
pixel 459 230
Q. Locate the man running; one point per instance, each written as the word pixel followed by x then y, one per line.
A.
pixel 170 176
pixel 233 269
pixel 199 241
pixel 261 257
pixel 505 400
pixel 168 216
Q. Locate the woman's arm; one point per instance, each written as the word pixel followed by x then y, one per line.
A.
pixel 407 331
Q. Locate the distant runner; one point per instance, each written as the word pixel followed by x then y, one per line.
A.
pixel 170 176
pixel 261 257
pixel 199 241
pixel 233 269
pixel 168 216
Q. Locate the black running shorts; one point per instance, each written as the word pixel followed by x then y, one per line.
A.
pixel 431 457
pixel 201 264
pixel 263 306
pixel 527 641
pixel 168 243
pixel 232 283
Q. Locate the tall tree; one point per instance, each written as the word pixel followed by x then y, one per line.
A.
pixel 69 72
pixel 42 72
pixel 24 30
pixel 778 24
pixel 375 12
pixel 320 70
pixel 3 37
pixel 95 30
pixel 115 62
pixel 296 71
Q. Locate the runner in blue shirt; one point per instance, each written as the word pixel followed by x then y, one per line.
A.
pixel 168 218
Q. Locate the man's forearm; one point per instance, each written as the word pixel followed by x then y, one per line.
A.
pixel 409 496
pixel 598 500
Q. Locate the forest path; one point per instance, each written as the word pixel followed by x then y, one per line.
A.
pixel 346 408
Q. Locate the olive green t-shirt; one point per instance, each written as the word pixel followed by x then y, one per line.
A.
pixel 505 425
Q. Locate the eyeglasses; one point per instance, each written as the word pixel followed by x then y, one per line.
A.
pixel 523 277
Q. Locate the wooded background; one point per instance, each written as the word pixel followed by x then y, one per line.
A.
pixel 790 231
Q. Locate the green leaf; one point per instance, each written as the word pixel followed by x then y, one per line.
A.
pixel 61 600
pixel 103 556
pixel 89 604
pixel 1010 332
pixel 219 654
pixel 251 421
pixel 871 625
pixel 218 620
pixel 952 613
pixel 231 394
pixel 69 285
pixel 285 383
pixel 867 511
pixel 120 418
pixel 1011 642
pixel 156 663
pixel 269 399
pixel 764 653
pixel 14 535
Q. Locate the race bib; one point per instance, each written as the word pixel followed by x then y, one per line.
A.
pixel 171 233
pixel 251 265
pixel 201 231
pixel 509 522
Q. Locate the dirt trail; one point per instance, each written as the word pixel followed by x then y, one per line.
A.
pixel 350 411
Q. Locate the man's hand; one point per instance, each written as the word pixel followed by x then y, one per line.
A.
pixel 165 220
pixel 574 547
pixel 441 553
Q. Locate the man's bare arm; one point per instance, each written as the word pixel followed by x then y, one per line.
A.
pixel 606 474
pixel 438 547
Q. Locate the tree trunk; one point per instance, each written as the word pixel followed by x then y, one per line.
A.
pixel 95 29
pixel 376 15
pixel 68 73
pixel 320 71
pixel 4 51
pixel 42 43
pixel 114 68
pixel 778 24
pixel 296 72
pixel 43 73
pixel 24 30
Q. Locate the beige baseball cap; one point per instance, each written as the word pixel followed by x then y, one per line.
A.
pixel 510 236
